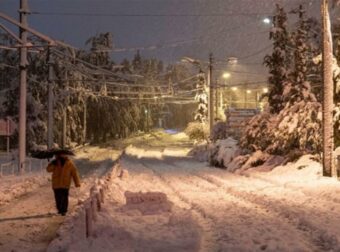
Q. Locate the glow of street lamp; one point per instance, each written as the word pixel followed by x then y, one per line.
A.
pixel 248 91
pixel 234 88
pixel 226 75
pixel 265 90
pixel 266 20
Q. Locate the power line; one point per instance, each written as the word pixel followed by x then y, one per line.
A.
pixel 257 52
pixel 88 14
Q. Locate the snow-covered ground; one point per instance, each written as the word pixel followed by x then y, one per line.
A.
pixel 27 215
pixel 199 208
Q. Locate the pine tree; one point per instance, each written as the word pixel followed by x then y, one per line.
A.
pixel 299 88
pixel 279 61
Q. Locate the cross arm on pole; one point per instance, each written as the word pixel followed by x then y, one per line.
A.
pixel 11 33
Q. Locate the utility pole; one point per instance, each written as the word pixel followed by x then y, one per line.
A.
pixel 23 11
pixel 211 94
pixel 216 98
pixel 64 139
pixel 50 101
pixel 85 122
pixel 328 102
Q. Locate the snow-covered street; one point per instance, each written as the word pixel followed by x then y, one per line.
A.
pixel 28 222
pixel 291 208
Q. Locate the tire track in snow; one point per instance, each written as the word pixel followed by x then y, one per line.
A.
pixel 209 242
pixel 320 238
pixel 242 213
pixel 260 207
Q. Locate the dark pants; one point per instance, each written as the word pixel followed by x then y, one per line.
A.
pixel 61 199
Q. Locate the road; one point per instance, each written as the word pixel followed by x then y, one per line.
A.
pixel 233 212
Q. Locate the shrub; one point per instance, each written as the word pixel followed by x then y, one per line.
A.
pixel 197 131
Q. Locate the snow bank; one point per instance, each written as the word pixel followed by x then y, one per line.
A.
pixel 227 150
pixel 12 187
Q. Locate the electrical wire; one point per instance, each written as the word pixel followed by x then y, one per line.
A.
pixel 88 14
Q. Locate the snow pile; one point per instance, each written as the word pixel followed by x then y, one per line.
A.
pixel 223 152
pixel 148 202
pixel 305 169
pixel 12 187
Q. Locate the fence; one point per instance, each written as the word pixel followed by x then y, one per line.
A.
pixel 94 203
pixel 31 165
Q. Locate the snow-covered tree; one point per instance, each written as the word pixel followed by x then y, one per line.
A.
pixel 298 87
pixel 292 122
pixel 278 62
pixel 202 98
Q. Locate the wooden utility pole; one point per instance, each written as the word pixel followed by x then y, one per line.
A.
pixel 211 94
pixel 216 99
pixel 64 139
pixel 50 101
pixel 85 117
pixel 23 11
pixel 328 102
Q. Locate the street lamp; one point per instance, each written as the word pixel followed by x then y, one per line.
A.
pixel 265 90
pixel 266 20
pixel 226 75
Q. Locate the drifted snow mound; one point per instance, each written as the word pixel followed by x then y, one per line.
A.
pixel 147 203
pixel 223 152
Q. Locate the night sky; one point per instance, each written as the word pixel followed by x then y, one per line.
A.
pixel 181 28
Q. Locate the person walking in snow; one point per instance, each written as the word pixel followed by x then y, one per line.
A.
pixel 63 171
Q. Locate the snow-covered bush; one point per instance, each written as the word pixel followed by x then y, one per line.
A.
pixel 197 131
pixel 223 152
pixel 297 126
pixel 219 131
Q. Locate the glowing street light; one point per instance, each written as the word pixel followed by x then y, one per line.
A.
pixel 248 91
pixel 266 20
pixel 265 90
pixel 226 75
pixel 234 88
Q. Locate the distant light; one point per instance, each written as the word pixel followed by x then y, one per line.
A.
pixel 155 97
pixel 145 111
pixel 266 20
pixel 265 90
pixel 116 97
pixel 226 75
pixel 234 88
pixel 232 60
pixel 248 91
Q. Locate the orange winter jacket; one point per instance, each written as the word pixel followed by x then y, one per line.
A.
pixel 62 175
